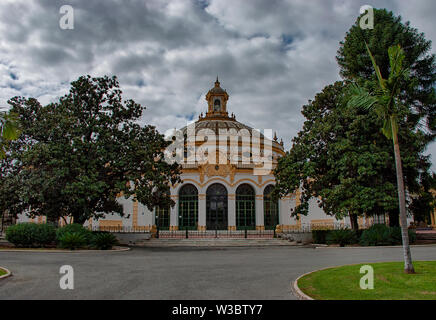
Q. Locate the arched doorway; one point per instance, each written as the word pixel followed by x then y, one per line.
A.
pixel 216 207
pixel 188 207
pixel 162 217
pixel 270 209
pixel 245 207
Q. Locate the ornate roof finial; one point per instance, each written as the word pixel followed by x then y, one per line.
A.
pixel 281 142
pixel 217 83
pixel 275 136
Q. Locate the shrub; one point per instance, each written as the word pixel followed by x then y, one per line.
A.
pixel 72 240
pixel 45 234
pixel 376 235
pixel 74 228
pixel 319 236
pixel 341 237
pixel 382 235
pixel 31 234
pixel 103 241
pixel 22 234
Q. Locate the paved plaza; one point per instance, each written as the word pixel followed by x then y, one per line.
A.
pixel 181 273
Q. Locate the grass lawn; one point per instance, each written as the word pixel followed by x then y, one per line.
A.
pixel 2 272
pixel 390 282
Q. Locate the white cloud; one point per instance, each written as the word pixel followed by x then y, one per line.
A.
pixel 271 56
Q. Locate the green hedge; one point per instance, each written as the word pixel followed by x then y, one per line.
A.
pixel 31 235
pixel 382 235
pixel 71 236
pixel 342 237
pixel 103 241
pixel 377 235
pixel 319 236
pixel 72 240
pixel 74 228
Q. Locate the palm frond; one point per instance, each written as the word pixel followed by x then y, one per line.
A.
pixel 358 97
pixel 376 68
pixel 387 128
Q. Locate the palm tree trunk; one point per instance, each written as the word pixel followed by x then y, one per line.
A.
pixel 408 265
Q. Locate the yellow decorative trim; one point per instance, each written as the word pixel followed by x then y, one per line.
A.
pixel 174 228
pixel 231 228
pixel 213 170
pixel 322 224
pixel 201 196
pixel 260 228
pixel 110 224
pixel 201 228
pixel 285 228
pixel 200 185
pixel 135 214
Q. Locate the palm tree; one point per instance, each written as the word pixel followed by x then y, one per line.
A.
pixel 8 130
pixel 385 101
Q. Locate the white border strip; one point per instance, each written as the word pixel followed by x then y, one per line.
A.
pixel 115 249
pixel 8 273
pixel 297 291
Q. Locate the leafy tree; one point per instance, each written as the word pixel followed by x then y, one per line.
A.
pixel 385 100
pixel 417 92
pixel 9 130
pixel 342 158
pixel 76 156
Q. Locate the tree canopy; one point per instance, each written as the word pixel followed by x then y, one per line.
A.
pixel 74 157
pixel 418 92
pixel 341 156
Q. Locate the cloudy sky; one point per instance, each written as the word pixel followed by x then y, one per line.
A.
pixel 271 56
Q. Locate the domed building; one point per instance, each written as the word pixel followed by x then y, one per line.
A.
pixel 225 182
pixel 227 177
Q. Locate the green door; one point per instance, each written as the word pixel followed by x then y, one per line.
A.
pixel 245 208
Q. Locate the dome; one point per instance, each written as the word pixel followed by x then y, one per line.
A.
pixel 217 120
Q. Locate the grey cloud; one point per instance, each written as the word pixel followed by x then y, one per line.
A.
pixel 271 56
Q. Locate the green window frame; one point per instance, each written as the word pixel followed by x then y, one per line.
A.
pixel 270 209
pixel 162 218
pixel 188 207
pixel 245 208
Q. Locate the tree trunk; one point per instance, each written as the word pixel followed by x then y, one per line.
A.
pixel 354 222
pixel 408 265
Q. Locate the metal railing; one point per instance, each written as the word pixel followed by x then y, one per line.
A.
pixel 122 229
pixel 216 234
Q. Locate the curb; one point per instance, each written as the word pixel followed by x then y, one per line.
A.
pixel 372 247
pixel 8 273
pixel 117 249
pixel 302 296
pixel 297 291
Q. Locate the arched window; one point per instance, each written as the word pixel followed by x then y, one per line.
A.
pixel 245 207
pixel 217 105
pixel 188 207
pixel 270 209
pixel 216 207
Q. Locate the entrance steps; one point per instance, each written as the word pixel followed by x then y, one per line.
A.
pixel 215 243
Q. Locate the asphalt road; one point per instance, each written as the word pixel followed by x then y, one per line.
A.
pixel 180 273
